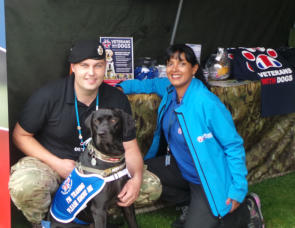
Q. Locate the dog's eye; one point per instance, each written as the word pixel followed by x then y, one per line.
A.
pixel 96 121
pixel 113 120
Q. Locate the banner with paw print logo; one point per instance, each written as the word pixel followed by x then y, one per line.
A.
pixel 275 73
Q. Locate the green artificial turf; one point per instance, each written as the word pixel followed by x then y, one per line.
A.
pixel 278 201
pixel 277 198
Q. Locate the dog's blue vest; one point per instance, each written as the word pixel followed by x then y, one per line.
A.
pixel 76 191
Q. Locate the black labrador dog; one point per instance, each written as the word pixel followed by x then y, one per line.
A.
pixel 103 157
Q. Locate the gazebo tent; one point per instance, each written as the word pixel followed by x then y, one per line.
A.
pixel 40 33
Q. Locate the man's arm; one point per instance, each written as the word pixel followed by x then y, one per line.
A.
pixel 134 163
pixel 27 143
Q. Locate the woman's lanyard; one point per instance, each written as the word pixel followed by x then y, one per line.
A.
pixel 172 118
pixel 78 120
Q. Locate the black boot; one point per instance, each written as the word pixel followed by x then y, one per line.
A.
pixel 179 222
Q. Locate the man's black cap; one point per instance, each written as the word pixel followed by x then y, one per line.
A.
pixel 86 49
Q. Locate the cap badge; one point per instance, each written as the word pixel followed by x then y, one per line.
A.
pixel 100 50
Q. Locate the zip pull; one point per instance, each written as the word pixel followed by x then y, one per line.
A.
pixel 167 157
pixel 220 220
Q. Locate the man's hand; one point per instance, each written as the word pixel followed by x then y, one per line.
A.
pixel 64 167
pixel 134 164
pixel 129 192
pixel 234 206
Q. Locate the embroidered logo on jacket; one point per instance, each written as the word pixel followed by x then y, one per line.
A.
pixel 201 138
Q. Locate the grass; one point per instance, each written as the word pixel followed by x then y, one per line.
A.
pixel 278 201
pixel 278 205
pixel 277 197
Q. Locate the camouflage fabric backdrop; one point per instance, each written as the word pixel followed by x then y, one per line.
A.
pixel 269 142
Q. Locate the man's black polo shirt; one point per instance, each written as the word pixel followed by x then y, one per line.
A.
pixel 50 115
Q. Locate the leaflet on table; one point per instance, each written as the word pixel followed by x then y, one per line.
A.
pixel 197 50
pixel 119 58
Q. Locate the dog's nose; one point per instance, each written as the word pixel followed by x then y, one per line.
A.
pixel 101 133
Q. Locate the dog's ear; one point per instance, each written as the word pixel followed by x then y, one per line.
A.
pixel 128 123
pixel 88 121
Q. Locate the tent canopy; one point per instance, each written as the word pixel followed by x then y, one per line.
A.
pixel 40 33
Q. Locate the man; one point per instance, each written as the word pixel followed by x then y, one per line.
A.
pixel 51 132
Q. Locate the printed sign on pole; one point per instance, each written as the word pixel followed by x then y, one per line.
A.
pixel 119 58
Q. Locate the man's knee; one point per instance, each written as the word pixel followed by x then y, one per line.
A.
pixel 31 185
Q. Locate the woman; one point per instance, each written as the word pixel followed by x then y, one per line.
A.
pixel 205 161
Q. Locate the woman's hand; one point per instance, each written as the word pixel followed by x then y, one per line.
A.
pixel 119 88
pixel 234 206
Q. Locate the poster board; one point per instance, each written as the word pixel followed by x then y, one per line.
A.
pixel 197 50
pixel 4 133
pixel 119 58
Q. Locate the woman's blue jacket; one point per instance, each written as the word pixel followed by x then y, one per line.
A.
pixel 215 146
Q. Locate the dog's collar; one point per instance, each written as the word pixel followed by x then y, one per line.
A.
pixel 98 155
pixel 113 171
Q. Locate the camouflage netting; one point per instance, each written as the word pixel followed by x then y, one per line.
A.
pixel 269 142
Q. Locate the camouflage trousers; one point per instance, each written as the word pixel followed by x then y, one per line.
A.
pixel 32 184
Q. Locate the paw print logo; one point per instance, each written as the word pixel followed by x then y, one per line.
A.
pixel 66 186
pixel 106 43
pixel 263 61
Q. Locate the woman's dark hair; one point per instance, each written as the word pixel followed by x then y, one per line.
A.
pixel 177 49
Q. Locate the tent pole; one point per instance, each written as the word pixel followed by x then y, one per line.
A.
pixel 176 22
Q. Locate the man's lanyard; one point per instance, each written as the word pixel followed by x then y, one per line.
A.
pixel 78 120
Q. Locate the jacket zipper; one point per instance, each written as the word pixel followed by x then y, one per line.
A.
pixel 219 216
